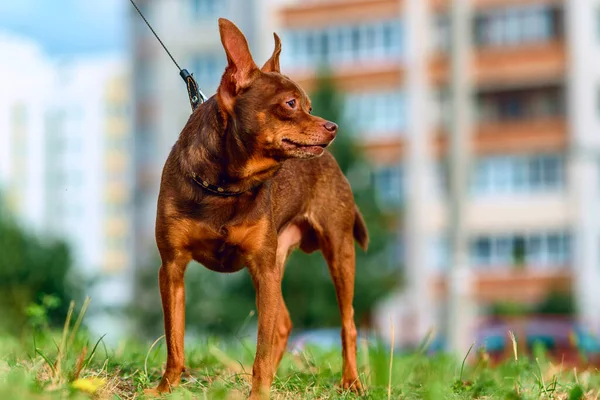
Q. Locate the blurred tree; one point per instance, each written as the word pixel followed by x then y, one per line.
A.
pixel 219 303
pixel 35 280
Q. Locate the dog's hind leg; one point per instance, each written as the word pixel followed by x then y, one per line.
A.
pixel 337 246
pixel 282 334
pixel 286 242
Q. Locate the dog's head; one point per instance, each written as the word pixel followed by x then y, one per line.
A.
pixel 270 112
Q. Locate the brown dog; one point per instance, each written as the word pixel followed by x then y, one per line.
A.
pixel 248 181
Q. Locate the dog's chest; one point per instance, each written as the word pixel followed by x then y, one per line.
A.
pixel 226 249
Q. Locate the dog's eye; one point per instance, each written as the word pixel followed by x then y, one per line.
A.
pixel 291 103
pixel 310 110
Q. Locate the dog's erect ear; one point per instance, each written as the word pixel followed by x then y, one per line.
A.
pixel 272 64
pixel 241 69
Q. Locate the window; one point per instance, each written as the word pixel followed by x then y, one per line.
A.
pixel 482 251
pixel 388 184
pixel 516 25
pixel 376 113
pixel 206 8
pixel 526 104
pixel 534 250
pixel 518 174
pixel 558 249
pixel 364 42
pixel 208 69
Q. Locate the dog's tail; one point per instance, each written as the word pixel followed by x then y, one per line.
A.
pixel 360 230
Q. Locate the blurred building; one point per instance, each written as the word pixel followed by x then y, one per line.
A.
pixel 26 81
pixel 530 212
pixel 89 175
pixel 531 216
pixel 66 168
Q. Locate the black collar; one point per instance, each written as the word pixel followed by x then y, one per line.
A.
pixel 218 190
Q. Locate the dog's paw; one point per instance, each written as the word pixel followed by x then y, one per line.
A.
pixel 152 393
pixel 163 388
pixel 353 385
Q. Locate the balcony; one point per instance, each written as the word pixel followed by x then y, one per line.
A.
pixel 546 134
pixel 444 5
pixel 357 77
pixel 526 286
pixel 522 136
pixel 500 66
pixel 310 14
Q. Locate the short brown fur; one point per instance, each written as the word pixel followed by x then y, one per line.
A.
pixel 255 137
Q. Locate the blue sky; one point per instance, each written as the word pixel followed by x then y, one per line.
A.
pixel 68 27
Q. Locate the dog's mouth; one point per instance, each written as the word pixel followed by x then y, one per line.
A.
pixel 312 148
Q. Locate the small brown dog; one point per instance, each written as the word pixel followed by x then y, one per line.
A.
pixel 248 181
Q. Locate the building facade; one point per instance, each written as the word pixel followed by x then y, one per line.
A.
pixel 89 177
pixel 529 212
pixel 22 125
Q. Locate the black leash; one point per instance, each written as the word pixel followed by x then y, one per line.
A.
pixel 194 93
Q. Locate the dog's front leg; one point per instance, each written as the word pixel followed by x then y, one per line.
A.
pixel 172 293
pixel 266 276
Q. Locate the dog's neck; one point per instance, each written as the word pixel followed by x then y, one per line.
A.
pixel 215 158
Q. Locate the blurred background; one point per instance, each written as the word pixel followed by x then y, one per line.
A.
pixel 469 130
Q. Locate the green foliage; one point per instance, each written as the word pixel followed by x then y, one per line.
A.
pixel 38 313
pixel 34 278
pixel 509 309
pixel 557 303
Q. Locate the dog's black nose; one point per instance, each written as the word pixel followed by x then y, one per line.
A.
pixel 330 126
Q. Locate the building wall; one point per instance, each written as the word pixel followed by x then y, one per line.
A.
pixel 583 27
pixel 25 93
pixel 89 181
pixel 535 102
pixel 535 107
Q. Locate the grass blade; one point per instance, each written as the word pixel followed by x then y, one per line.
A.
pixel 391 359
pixel 148 354
pixel 91 356
pixel 78 321
pixel 462 367
pixel 50 363
pixel 63 343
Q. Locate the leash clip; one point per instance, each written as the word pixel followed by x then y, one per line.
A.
pixel 194 93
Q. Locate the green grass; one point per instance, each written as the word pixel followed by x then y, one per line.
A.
pixel 220 370
pixel 71 365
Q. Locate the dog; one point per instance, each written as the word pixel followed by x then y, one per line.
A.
pixel 248 181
